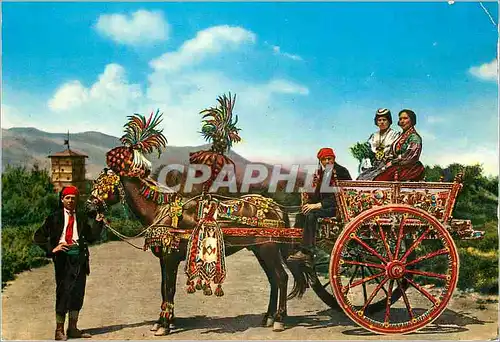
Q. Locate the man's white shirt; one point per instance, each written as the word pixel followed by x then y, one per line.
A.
pixel 75 231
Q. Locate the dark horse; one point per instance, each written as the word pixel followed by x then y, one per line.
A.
pixel 270 254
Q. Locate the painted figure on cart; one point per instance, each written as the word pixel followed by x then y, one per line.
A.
pixel 319 204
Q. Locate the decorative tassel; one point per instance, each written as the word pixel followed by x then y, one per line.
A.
pixel 218 291
pixel 199 286
pixel 207 290
pixel 191 288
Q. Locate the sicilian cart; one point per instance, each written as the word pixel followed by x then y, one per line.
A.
pixel 388 258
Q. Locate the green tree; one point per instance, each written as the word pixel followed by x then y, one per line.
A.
pixel 478 199
pixel 27 196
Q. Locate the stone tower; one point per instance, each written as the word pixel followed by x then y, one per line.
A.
pixel 68 168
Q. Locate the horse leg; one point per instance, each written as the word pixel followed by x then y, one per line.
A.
pixel 282 277
pixel 169 279
pixel 163 266
pixel 268 319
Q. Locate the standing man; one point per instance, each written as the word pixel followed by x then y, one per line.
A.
pixel 320 204
pixel 64 237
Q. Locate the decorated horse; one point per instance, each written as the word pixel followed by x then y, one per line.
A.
pixel 203 229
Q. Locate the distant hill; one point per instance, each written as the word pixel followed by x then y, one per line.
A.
pixel 26 146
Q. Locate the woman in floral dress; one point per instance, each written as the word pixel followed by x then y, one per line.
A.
pixel 404 164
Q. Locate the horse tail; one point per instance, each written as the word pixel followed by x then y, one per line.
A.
pixel 301 276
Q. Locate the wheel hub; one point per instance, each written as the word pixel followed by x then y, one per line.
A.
pixel 395 270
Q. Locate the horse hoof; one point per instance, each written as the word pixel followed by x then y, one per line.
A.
pixel 162 331
pixel 269 322
pixel 155 327
pixel 278 326
pixel 172 326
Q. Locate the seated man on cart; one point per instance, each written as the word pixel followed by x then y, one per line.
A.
pixel 320 204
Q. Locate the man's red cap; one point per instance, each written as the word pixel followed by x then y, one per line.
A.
pixel 70 190
pixel 325 152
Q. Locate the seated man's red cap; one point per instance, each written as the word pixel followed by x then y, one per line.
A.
pixel 325 152
pixel 70 190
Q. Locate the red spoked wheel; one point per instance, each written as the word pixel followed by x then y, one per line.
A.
pixel 371 261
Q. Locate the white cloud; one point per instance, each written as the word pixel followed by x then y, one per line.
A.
pixel 426 135
pixel 141 27
pixel 110 99
pixel 182 95
pixel 486 71
pixel 435 119
pixel 277 51
pixel 69 95
pixel 286 87
pixel 207 42
pixel 112 90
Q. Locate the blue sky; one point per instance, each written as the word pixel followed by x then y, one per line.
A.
pixel 306 75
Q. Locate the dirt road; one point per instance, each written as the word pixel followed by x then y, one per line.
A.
pixel 123 299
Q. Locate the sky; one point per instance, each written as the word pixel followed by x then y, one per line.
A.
pixel 305 75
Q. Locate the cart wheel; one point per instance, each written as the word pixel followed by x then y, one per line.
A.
pixel 379 242
pixel 320 284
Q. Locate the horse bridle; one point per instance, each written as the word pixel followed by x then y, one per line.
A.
pixel 117 185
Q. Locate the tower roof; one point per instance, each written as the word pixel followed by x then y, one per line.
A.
pixel 69 153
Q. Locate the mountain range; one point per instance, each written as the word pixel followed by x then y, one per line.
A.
pixel 27 146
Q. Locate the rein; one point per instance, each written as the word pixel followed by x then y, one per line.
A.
pixel 125 238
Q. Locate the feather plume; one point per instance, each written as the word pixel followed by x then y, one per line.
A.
pixel 218 122
pixel 142 135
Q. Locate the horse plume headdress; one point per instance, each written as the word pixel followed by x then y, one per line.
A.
pixel 141 137
pixel 219 128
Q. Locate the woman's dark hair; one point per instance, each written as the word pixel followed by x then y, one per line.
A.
pixel 411 115
pixel 383 113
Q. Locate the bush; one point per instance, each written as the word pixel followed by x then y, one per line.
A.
pixel 18 251
pixel 27 196
pixel 479 261
pixel 478 270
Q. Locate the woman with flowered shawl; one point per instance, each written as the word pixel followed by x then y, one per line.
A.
pixel 405 164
